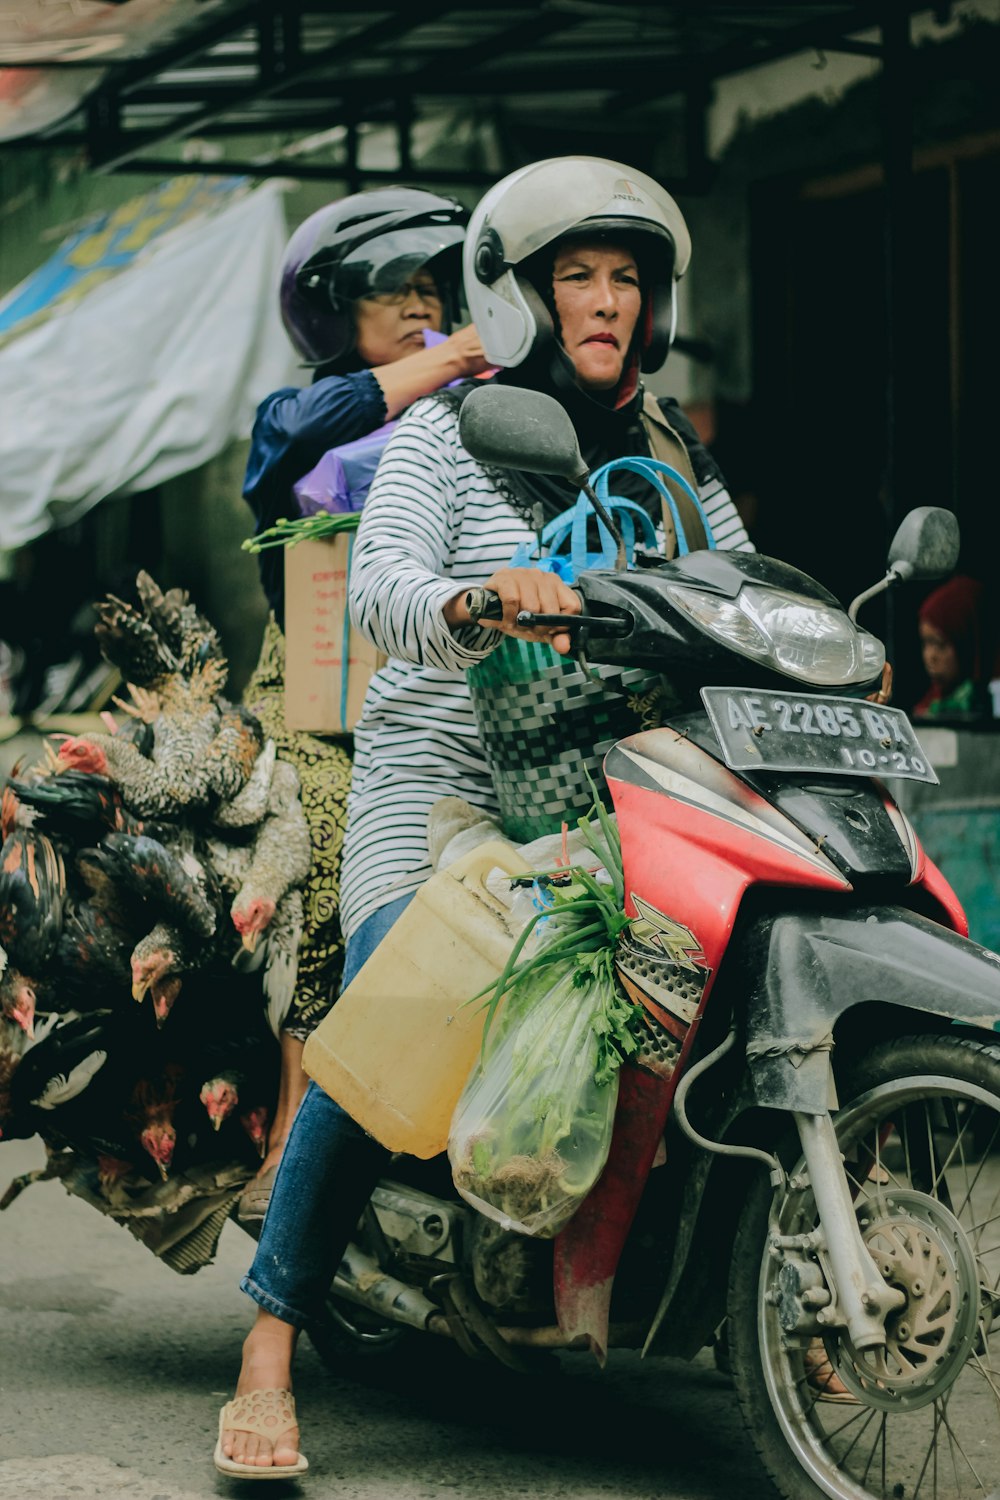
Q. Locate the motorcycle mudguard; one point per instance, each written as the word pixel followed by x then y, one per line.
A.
pixel 587 1251
pixel 812 967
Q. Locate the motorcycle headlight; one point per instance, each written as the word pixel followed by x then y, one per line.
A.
pixel 802 637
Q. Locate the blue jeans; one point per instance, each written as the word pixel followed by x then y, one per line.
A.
pixel 328 1171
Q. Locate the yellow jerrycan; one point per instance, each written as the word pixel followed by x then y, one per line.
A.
pixel 398 1046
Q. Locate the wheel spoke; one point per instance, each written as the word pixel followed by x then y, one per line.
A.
pixel 958 1146
pixel 972 1188
pixel 879 1435
pixel 859 1412
pixel 988 1374
pixel 985 1224
pixel 905 1136
pixel 931 1453
pixel 953 1443
pixel 869 1418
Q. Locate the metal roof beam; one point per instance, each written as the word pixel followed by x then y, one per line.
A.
pixel 310 172
pixel 186 49
pixel 359 94
pixel 358 42
pixel 752 52
pixel 451 70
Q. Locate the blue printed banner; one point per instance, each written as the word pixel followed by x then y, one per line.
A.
pixel 109 244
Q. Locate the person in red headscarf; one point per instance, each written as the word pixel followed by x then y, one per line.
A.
pixel 951 640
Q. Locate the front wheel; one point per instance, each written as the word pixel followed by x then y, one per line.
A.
pixel 920 1420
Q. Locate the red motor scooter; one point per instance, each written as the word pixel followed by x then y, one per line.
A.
pixel 820 1064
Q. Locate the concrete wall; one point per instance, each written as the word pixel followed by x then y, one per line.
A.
pixel 803 117
pixel 958 822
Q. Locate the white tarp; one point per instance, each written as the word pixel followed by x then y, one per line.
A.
pixel 148 375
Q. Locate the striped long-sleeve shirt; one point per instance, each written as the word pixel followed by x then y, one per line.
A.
pixel 433 524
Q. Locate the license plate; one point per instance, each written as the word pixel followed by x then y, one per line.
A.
pixel 806 732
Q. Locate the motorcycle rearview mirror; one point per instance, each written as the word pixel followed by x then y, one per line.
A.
pixel 926 545
pixel 518 429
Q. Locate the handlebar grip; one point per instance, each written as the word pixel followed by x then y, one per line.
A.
pixel 483 604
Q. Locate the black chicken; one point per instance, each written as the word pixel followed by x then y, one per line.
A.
pixel 32 891
pixel 178 887
pixel 93 955
pixel 78 806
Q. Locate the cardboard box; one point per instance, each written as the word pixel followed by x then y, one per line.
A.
pixel 325 684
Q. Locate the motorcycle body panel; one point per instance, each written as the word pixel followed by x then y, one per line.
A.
pixel 586 1253
pixel 695 836
pixel 941 898
pixel 812 967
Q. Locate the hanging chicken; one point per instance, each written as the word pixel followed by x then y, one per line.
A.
pixel 149 863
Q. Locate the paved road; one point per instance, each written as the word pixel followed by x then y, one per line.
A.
pixel 112 1370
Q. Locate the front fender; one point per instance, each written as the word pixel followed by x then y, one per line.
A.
pixel 811 967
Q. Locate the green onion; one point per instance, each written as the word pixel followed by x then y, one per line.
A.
pixel 287 532
pixel 587 919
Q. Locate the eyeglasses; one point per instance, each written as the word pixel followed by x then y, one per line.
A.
pixel 427 291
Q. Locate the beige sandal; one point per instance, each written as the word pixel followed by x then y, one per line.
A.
pixel 268 1414
pixel 823 1378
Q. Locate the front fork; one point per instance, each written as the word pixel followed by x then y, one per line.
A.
pixel 848 1292
pixel 861 1299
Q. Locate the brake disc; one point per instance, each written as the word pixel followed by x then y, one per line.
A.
pixel 921 1249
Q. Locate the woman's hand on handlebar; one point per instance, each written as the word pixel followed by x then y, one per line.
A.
pixel 524 588
pixel 884 693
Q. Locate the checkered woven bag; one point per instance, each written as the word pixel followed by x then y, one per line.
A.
pixel 545 724
pixel 545 721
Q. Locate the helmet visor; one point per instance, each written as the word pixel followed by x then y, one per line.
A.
pixel 383 265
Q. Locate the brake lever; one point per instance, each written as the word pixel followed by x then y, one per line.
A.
pixel 485 605
pixel 602 624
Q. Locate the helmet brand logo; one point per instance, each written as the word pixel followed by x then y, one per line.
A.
pixel 627 191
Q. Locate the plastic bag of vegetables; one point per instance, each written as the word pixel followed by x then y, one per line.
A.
pixel 531 1131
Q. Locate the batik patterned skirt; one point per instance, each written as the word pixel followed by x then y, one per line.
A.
pixel 324 769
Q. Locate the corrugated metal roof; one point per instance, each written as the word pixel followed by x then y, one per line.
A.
pixel 227 68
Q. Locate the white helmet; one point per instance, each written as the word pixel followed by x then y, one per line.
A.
pixel 546 201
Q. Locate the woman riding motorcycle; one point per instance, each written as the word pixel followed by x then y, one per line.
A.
pixel 570 272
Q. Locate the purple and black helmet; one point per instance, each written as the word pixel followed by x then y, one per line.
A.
pixel 361 246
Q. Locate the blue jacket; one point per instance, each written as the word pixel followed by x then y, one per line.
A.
pixel 292 431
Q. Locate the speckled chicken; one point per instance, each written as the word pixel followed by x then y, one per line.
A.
pixel 166 637
pixel 204 748
pixel 279 858
pixel 203 753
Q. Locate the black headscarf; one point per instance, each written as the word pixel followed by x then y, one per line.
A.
pixel 603 431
